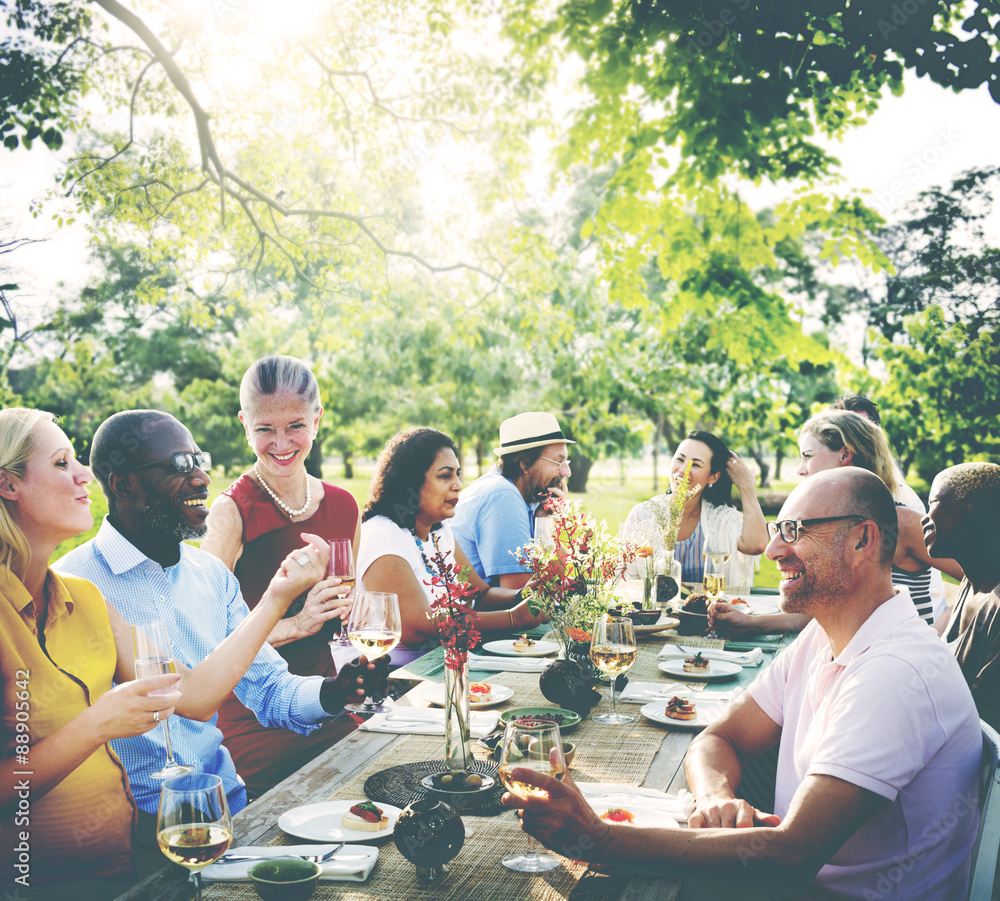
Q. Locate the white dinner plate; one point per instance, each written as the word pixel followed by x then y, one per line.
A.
pixel 754 605
pixel 717 669
pixel 506 648
pixel 644 816
pixel 322 822
pixel 434 692
pixel 707 711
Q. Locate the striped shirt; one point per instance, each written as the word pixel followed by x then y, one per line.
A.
pixel 689 552
pixel 200 602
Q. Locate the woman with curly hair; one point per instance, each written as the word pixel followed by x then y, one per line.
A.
pixel 404 530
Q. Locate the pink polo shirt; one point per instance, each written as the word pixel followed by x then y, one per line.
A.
pixel 893 715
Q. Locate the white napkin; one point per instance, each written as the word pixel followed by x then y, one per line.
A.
pixel 744 658
pixel 644 692
pixel 352 863
pixel 427 721
pixel 509 664
pixel 615 795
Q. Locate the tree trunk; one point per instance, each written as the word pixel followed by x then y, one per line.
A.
pixel 348 465
pixel 779 458
pixel 480 450
pixel 314 462
pixel 765 468
pixel 577 482
pixel 657 440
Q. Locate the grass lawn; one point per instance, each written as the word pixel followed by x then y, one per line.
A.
pixel 607 498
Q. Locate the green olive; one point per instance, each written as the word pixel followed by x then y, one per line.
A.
pixel 474 779
pixel 446 779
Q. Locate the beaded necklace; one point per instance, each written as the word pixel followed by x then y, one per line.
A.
pixel 423 553
pixel 289 512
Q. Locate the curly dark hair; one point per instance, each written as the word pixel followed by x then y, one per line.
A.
pixel 400 473
pixel 721 492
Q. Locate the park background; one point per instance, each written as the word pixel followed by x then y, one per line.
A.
pixel 633 214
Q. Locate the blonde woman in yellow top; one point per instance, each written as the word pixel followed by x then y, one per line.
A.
pixel 67 676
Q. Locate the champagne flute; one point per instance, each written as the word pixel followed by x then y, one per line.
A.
pixel 714 579
pixel 193 826
pixel 613 651
pixel 535 747
pixel 153 657
pixel 374 629
pixel 341 567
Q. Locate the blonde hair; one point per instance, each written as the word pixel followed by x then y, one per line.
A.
pixel 17 444
pixel 837 429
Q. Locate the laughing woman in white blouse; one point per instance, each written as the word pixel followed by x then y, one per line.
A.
pixel 405 526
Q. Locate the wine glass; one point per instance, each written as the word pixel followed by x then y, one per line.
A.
pixel 374 629
pixel 613 651
pixel 193 826
pixel 341 567
pixel 535 747
pixel 154 657
pixel 714 579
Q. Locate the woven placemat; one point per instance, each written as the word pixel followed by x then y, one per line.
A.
pixel 401 785
pixel 604 754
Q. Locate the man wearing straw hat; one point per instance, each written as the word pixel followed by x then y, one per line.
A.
pixel 496 513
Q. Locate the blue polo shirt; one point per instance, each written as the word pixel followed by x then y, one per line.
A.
pixel 491 521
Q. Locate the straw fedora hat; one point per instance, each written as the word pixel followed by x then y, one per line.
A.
pixel 528 430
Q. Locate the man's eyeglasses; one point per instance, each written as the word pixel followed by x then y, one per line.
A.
pixel 789 528
pixel 559 463
pixel 183 462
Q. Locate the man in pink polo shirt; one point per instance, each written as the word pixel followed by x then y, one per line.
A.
pixel 879 740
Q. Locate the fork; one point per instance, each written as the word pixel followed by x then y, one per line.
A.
pixel 312 858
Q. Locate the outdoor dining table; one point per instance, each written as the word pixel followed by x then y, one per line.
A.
pixel 640 753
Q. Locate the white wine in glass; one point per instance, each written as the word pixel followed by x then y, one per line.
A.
pixel 613 651
pixel 374 629
pixel 153 657
pixel 341 567
pixel 536 748
pixel 193 826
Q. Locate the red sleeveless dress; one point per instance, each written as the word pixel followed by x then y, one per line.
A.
pixel 264 756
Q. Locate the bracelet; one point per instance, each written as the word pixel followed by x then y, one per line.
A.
pixel 510 614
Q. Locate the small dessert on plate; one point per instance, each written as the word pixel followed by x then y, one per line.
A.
pixel 738 602
pixel 365 817
pixel 618 815
pixel 480 692
pixel 696 603
pixel 523 644
pixel 696 664
pixel 680 709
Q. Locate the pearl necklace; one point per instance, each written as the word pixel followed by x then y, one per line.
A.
pixel 289 512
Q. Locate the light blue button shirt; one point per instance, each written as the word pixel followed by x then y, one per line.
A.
pixel 200 602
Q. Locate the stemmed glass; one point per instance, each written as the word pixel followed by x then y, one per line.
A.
pixel 613 651
pixel 535 747
pixel 153 657
pixel 193 827
pixel 714 579
pixel 374 629
pixel 341 567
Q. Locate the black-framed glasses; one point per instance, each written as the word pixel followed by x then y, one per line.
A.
pixel 789 528
pixel 183 461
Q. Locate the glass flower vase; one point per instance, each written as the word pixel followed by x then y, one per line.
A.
pixel 457 738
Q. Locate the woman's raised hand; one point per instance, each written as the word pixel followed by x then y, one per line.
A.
pixel 327 599
pixel 128 709
pixel 741 474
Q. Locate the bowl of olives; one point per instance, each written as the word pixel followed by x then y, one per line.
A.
pixel 460 788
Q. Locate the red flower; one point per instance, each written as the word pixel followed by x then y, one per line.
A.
pixel 453 614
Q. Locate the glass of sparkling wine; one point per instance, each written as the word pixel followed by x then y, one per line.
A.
pixel 613 651
pixel 153 657
pixel 714 579
pixel 193 827
pixel 374 629
pixel 341 567
pixel 536 748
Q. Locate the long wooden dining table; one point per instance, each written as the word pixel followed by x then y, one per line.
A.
pixel 640 753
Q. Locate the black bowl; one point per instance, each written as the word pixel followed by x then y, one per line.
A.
pixel 691 623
